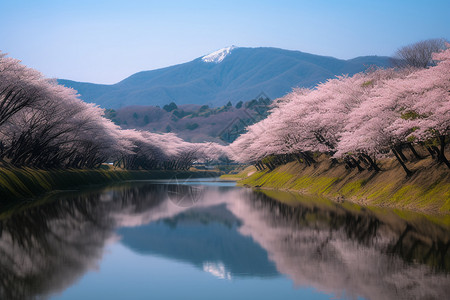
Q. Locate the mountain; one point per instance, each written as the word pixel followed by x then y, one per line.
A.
pixel 208 238
pixel 230 74
pixel 191 122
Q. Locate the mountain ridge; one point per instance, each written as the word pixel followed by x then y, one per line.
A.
pixel 240 75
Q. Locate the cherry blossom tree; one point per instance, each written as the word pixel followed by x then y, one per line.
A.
pixel 46 125
pixel 358 119
pixel 20 87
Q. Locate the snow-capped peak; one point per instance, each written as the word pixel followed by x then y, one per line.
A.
pixel 218 56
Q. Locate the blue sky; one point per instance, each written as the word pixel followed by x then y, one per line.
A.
pixel 106 41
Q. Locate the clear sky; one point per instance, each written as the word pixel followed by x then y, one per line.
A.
pixel 105 41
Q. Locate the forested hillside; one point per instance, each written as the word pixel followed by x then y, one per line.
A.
pixel 194 123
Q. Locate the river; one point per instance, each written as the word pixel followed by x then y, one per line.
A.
pixel 208 239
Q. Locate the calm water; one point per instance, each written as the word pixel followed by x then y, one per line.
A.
pixel 205 239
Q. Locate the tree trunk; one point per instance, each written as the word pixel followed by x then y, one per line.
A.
pixel 305 159
pixel 400 153
pixel 308 158
pixel 334 161
pixel 261 165
pixel 413 150
pixel 407 171
pixel 428 149
pixel 298 158
pixel 360 169
pixel 269 166
pixel 365 162
pixel 372 162
pixel 431 152
pixel 441 156
pixel 348 163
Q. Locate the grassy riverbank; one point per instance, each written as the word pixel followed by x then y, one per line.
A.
pixel 427 190
pixel 23 183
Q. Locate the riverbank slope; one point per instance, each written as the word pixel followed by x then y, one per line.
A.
pixel 22 183
pixel 427 190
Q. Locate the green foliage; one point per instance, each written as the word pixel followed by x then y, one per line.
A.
pixel 191 126
pixel 203 108
pixel 268 159
pixel 170 107
pixel 411 138
pixel 264 101
pixel 261 106
pixel 234 131
pixel 111 114
pixel 367 83
pixel 258 110
pixel 180 113
pixel 222 109
pixel 412 115
pixel 251 103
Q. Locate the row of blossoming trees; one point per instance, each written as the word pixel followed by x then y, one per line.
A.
pixel 46 125
pixel 356 119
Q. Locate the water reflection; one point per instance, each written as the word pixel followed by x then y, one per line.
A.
pixel 45 248
pixel 228 232
pixel 206 237
pixel 353 251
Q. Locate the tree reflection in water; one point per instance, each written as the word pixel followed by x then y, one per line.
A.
pixel 44 249
pixel 338 249
pixel 352 251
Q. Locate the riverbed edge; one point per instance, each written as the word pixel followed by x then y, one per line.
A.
pixel 24 183
pixel 427 191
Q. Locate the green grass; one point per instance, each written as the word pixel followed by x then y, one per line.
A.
pixel 352 188
pixel 319 185
pixel 268 179
pixel 233 176
pixel 433 198
pixel 282 180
